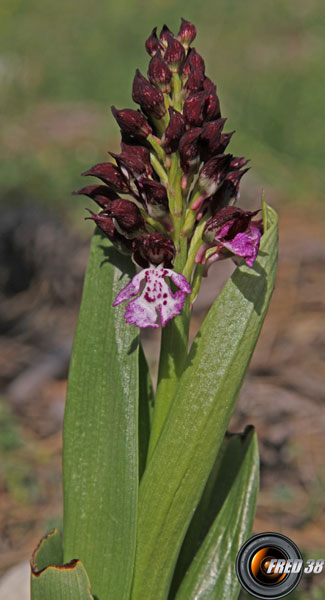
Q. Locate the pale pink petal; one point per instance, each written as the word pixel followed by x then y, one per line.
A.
pixel 139 312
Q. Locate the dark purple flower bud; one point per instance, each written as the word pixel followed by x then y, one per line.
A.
pixel 159 73
pixel 187 33
pixel 238 162
pixel 212 106
pixel 193 62
pixel 224 140
pixel 150 99
pixel 152 44
pixel 155 197
pixel 101 194
pixel 209 85
pixel 194 82
pixel 154 249
pixel 127 217
pixel 213 173
pixel 105 223
pixel 130 165
pixel 200 107
pixel 194 109
pixel 165 32
pixel 227 191
pixel 193 72
pixel 107 226
pixel 109 174
pixel 173 132
pixel 211 138
pixel 140 152
pixel 174 54
pixel 189 150
pixel 132 122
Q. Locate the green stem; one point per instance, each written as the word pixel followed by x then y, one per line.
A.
pixel 161 124
pixel 173 354
pixel 155 144
pixel 177 92
pixel 196 283
pixel 195 245
pixel 159 168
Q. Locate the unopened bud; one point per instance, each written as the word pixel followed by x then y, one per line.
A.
pixel 174 54
pixel 155 197
pixel 159 73
pixel 150 99
pixel 132 122
pixel 213 173
pixel 173 132
pixel 153 45
pixel 101 194
pixel 109 174
pixel 127 217
pixel 211 138
pixel 189 150
pixel 186 34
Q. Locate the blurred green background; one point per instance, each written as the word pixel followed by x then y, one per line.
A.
pixel 64 63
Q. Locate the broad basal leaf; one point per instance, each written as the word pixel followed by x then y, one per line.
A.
pixel 51 580
pixel 232 496
pixel 100 460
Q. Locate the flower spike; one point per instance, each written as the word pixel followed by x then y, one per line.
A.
pixel 165 200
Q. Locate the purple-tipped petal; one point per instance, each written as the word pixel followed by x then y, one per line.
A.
pixel 130 290
pixel 180 281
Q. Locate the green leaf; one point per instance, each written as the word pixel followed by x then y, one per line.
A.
pixel 146 404
pixel 232 496
pixel 175 477
pixel 50 580
pixel 69 582
pixel 100 456
pixel 49 551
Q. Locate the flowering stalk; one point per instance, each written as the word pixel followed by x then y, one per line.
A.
pixel 178 186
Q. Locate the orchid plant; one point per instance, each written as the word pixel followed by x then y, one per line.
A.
pixel 158 497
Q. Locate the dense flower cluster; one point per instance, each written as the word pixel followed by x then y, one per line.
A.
pixel 167 199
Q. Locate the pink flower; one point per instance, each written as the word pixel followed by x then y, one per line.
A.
pixel 232 232
pixel 156 298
